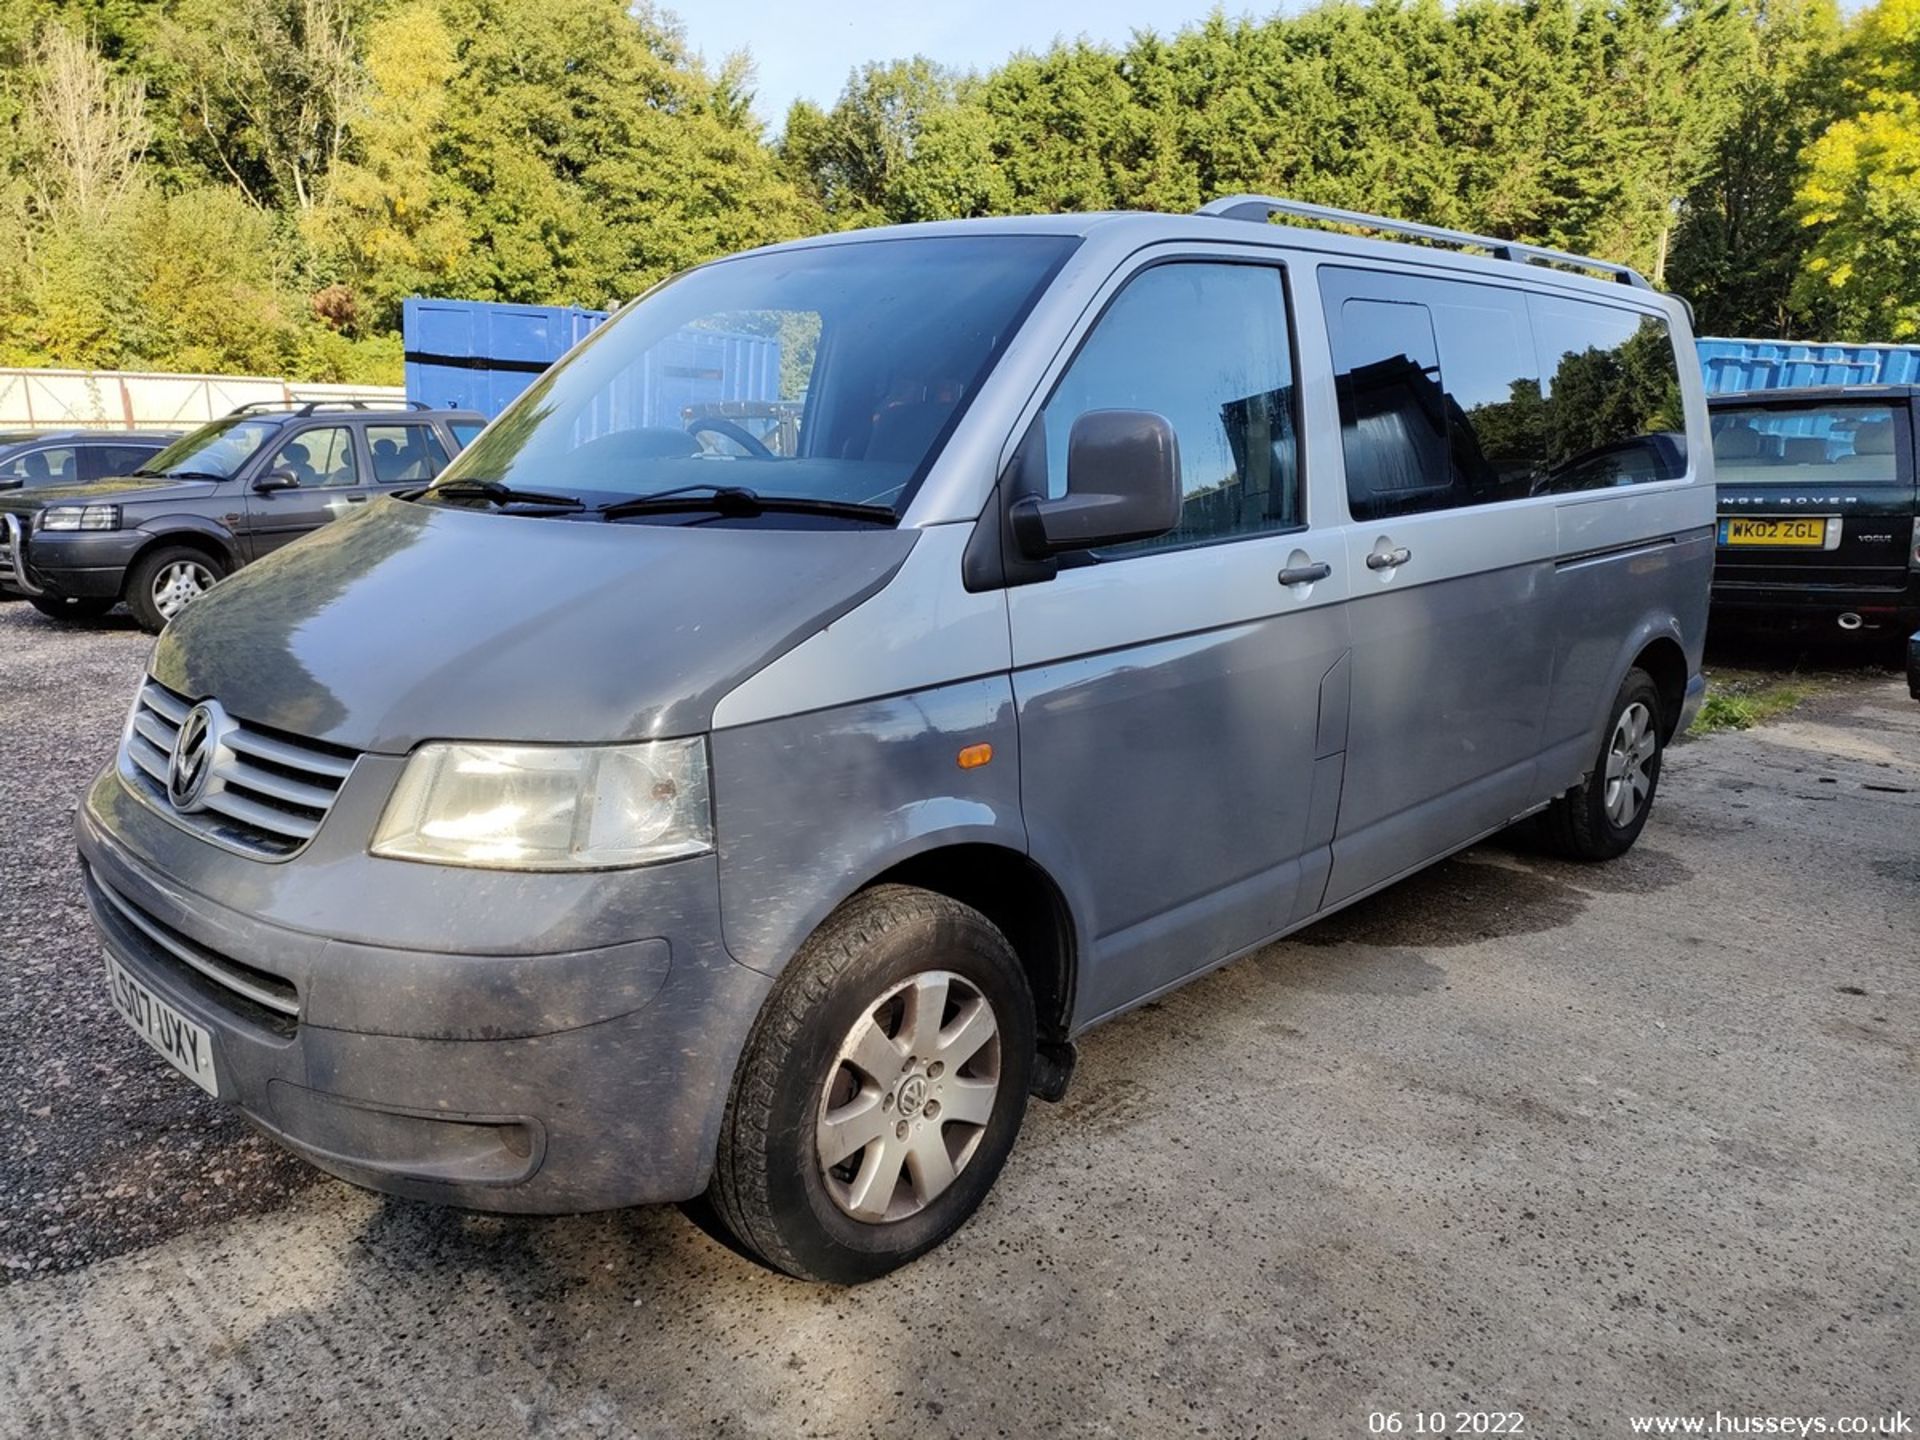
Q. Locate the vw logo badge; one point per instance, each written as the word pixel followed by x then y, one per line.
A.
pixel 190 767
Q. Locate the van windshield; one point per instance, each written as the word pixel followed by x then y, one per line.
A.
pixel 831 373
pixel 1805 444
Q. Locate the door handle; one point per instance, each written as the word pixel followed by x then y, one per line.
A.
pixel 1389 559
pixel 356 499
pixel 1305 574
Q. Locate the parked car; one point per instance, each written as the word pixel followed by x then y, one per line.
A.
pixel 216 499
pixel 36 460
pixel 1817 500
pixel 626 818
pixel 45 459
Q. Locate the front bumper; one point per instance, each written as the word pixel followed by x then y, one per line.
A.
pixel 492 1068
pixel 73 564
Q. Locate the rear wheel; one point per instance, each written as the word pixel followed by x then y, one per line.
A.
pixel 61 609
pixel 163 582
pixel 1603 815
pixel 881 1089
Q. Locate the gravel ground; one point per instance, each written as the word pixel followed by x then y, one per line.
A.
pixel 100 1151
pixel 1515 1135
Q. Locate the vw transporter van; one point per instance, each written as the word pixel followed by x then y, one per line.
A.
pixel 758 804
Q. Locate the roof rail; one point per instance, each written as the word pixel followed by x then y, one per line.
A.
pixel 307 407
pixel 1262 208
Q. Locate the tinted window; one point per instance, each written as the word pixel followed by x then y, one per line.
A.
pixel 1613 411
pixel 57 465
pixel 110 460
pixel 1206 346
pixel 1806 444
pixel 1443 403
pixel 321 458
pixel 830 371
pixel 401 453
pixel 464 431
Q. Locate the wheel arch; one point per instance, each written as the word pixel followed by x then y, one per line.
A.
pixel 1663 659
pixel 1022 900
pixel 216 541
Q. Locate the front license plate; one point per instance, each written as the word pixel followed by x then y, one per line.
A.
pixel 187 1046
pixel 1785 534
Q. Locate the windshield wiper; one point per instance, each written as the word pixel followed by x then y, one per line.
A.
pixel 739 500
pixel 179 475
pixel 496 493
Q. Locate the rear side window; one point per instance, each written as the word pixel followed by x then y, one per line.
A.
pixel 1206 346
pixel 464 431
pixel 1445 401
pixel 107 460
pixel 1807 444
pixel 321 458
pixel 1613 396
pixel 405 453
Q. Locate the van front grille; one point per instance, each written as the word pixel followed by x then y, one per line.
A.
pixel 267 794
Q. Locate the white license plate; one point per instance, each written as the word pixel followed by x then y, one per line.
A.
pixel 187 1046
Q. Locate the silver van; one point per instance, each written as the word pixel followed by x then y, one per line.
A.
pixel 756 803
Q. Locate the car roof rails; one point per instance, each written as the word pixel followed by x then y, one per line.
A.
pixel 308 407
pixel 1262 208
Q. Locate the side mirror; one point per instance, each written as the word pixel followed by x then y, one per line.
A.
pixel 276 480
pixel 11 482
pixel 1123 483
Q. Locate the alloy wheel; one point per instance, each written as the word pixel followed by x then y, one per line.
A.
pixel 178 585
pixel 909 1096
pixel 1630 756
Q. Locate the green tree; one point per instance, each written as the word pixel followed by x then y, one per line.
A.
pixel 1862 186
pixel 1739 242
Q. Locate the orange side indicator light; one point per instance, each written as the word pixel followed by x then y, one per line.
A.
pixel 974 756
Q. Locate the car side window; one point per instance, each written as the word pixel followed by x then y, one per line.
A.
pixel 1440 396
pixel 1455 393
pixel 464 431
pixel 405 453
pixel 105 461
pixel 1206 345
pixel 321 458
pixel 49 465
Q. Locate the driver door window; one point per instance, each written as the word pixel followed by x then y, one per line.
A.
pixel 321 459
pixel 1205 345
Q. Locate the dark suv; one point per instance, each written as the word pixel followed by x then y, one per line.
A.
pixel 38 459
pixel 226 494
pixel 1817 500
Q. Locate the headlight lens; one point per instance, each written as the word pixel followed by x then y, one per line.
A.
pixel 550 807
pixel 80 517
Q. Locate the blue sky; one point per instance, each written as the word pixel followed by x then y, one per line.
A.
pixel 804 48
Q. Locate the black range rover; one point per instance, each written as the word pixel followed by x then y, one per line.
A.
pixel 216 498
pixel 1817 502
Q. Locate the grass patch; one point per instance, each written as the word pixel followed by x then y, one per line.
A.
pixel 1741 699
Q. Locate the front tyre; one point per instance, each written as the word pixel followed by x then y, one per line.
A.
pixel 1603 815
pixel 880 1091
pixel 166 580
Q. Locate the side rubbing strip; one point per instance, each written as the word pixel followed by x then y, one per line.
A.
pixel 1615 552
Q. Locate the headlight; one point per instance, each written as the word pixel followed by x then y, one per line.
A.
pixel 549 807
pixel 80 517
